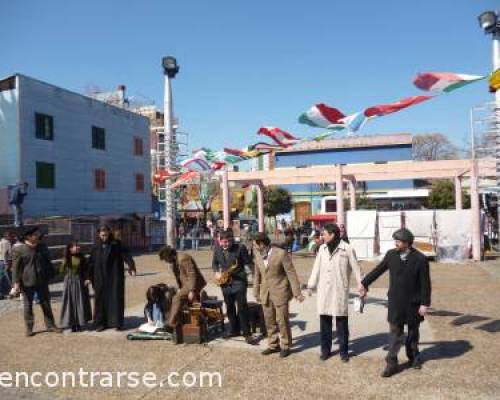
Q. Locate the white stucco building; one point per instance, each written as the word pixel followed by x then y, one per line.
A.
pixel 79 155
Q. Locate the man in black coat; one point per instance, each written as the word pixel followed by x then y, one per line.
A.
pixel 409 297
pixel 106 268
pixel 227 255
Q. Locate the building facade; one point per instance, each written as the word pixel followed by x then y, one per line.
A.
pixel 315 199
pixel 80 156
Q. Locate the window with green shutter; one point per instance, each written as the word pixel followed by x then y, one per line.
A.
pixel 44 126
pixel 98 138
pixel 45 175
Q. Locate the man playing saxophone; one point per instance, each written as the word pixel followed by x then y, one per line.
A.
pixel 228 264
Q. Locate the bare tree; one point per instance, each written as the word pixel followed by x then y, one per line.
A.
pixel 434 146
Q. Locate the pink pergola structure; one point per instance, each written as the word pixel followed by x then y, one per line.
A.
pixel 456 170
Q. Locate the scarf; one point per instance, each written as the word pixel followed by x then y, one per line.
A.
pixel 333 244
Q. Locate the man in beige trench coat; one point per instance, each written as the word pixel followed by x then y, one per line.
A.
pixel 331 274
pixel 275 284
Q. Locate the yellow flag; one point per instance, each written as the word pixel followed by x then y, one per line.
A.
pixel 495 81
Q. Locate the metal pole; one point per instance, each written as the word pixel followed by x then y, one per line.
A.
pixel 476 213
pixel 339 193
pixel 260 206
pixel 496 65
pixel 170 163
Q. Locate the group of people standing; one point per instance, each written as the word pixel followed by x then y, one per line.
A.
pixel 32 270
pixel 276 283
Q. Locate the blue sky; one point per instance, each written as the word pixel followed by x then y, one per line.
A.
pixel 245 64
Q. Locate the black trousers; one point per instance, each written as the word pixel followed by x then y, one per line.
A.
pixel 396 332
pixel 238 320
pixel 342 327
pixel 44 297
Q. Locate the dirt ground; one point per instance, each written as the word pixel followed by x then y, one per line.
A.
pixel 462 362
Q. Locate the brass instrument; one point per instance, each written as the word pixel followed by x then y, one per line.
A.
pixel 226 276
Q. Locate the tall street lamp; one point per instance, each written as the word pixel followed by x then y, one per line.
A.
pixel 170 69
pixel 489 21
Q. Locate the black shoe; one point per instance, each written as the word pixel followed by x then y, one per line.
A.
pixel 284 353
pixel 29 333
pixel 100 328
pixel 416 363
pixel 324 356
pixel 344 358
pixel 230 335
pixel 390 370
pixel 251 340
pixel 119 328
pixel 270 350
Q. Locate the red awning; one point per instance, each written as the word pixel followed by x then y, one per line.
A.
pixel 322 217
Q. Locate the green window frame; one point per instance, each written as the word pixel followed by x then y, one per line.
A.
pixel 44 126
pixel 45 175
pixel 98 138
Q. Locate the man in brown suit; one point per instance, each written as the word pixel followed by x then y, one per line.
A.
pixel 275 284
pixel 189 279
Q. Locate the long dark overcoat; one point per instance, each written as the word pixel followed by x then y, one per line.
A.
pixel 106 268
pixel 409 285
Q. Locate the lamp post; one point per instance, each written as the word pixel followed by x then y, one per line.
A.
pixel 170 69
pixel 489 21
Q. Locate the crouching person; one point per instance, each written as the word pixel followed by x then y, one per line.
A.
pixel 188 278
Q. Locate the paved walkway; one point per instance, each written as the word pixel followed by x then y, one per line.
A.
pixel 459 342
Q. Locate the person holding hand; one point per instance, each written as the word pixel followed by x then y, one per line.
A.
pixel 409 297
pixel 331 275
pixel 275 284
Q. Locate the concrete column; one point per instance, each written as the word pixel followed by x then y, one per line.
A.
pixel 352 194
pixel 476 218
pixel 260 206
pixel 339 193
pixel 458 193
pixel 226 200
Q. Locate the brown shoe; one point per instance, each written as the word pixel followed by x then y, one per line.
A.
pixel 54 329
pixel 270 350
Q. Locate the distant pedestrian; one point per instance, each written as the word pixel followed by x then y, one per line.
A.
pixel 5 264
pixel 16 199
pixel 343 233
pixel 75 311
pixel 31 272
pixel 182 236
pixel 195 235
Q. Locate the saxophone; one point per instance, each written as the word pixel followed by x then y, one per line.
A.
pixel 226 276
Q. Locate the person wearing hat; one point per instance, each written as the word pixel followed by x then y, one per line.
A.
pixel 409 297
pixel 106 271
pixel 188 278
pixel 31 272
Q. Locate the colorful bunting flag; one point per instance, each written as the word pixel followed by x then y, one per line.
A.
pixel 443 82
pixel 322 116
pixel 385 109
pixel 494 81
pixel 281 137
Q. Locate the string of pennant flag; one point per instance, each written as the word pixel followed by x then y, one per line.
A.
pixel 331 119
